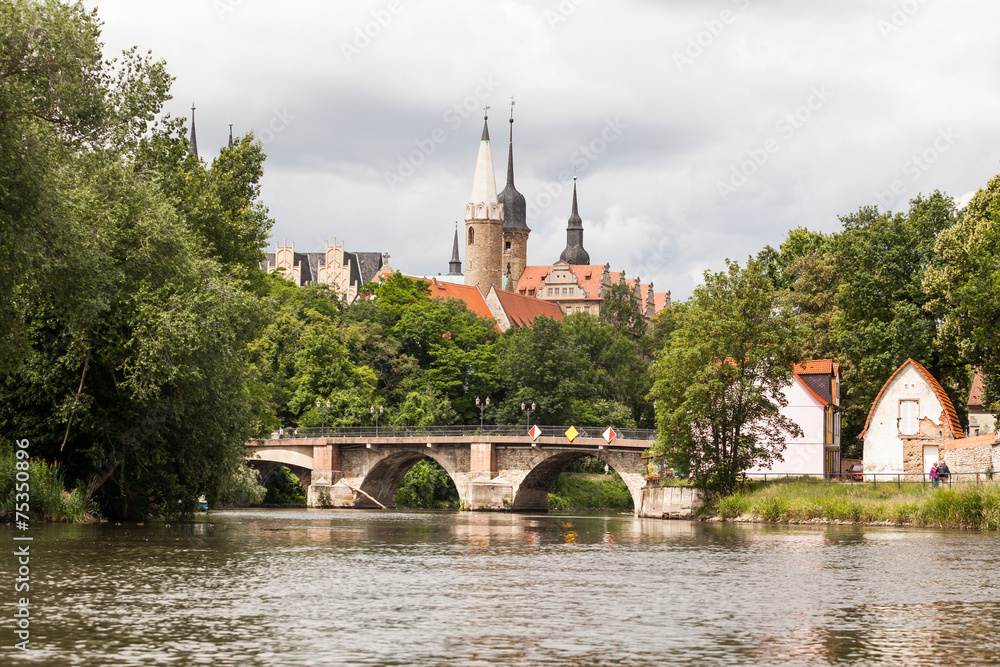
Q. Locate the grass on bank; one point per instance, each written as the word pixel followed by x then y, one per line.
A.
pixel 967 505
pixel 588 491
pixel 47 499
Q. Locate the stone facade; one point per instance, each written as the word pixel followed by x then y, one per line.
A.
pixel 506 474
pixel 343 271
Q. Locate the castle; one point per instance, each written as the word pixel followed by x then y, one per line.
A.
pixel 496 248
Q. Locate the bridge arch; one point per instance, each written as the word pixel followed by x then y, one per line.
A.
pixel 386 475
pixel 532 493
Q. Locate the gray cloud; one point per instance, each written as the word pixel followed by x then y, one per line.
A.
pixel 701 88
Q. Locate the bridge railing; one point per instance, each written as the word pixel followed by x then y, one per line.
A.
pixel 358 432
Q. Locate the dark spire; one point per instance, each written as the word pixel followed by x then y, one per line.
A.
pixel 455 265
pixel 230 134
pixel 515 208
pixel 574 252
pixel 193 143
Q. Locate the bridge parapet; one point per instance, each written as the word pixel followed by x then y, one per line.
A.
pixel 463 431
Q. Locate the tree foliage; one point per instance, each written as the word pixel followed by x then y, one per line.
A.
pixel 720 378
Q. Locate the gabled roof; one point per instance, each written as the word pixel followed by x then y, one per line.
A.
pixel 809 389
pixel 521 310
pixel 469 294
pixel 976 393
pixel 949 408
pixel 661 300
pixel 588 278
pixel 824 366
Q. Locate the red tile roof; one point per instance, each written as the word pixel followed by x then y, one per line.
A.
pixel 521 310
pixel 588 277
pixel 660 299
pixel 949 409
pixel 976 393
pixel 469 294
pixel 817 366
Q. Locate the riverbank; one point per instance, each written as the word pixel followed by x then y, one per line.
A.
pixel 585 491
pixel 971 506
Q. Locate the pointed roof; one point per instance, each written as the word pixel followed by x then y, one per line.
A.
pixel 484 184
pixel 515 209
pixel 193 141
pixel 949 416
pixel 976 392
pixel 230 134
pixel 574 252
pixel 455 265
pixel 519 311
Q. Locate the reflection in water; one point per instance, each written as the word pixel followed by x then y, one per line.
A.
pixel 325 587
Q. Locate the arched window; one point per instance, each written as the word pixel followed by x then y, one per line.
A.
pixel 472 236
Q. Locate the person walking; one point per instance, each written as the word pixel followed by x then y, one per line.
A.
pixel 944 474
pixel 933 475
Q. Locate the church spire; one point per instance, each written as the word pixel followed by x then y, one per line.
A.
pixel 193 142
pixel 455 265
pixel 514 206
pixel 484 184
pixel 230 134
pixel 574 252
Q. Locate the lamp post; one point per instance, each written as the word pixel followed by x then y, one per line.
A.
pixel 528 411
pixel 322 411
pixel 482 408
pixel 376 414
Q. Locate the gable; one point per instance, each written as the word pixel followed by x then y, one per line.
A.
pixel 911 381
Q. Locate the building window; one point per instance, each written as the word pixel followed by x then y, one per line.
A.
pixel 472 236
pixel 908 417
pixel 507 246
pixel 564 291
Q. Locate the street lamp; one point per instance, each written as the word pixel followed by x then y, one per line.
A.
pixel 482 409
pixel 528 411
pixel 376 414
pixel 322 411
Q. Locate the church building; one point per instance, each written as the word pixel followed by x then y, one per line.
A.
pixel 496 248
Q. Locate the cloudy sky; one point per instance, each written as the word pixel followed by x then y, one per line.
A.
pixel 699 130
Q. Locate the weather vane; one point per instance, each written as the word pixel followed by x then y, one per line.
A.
pixel 512 108
pixel 486 112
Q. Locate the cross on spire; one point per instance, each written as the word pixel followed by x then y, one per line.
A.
pixel 486 112
pixel 512 108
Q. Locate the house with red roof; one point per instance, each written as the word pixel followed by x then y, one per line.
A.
pixel 814 404
pixel 580 288
pixel 981 421
pixel 910 424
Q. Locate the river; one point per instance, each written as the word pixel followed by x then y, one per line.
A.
pixel 323 587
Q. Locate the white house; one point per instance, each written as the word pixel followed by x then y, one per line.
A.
pixel 909 423
pixel 813 404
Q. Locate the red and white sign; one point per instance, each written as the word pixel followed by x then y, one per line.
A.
pixel 534 432
pixel 610 435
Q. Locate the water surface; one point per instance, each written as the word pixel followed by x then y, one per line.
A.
pixel 324 587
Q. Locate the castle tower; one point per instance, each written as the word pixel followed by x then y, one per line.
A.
pixel 455 265
pixel 484 223
pixel 574 252
pixel 515 227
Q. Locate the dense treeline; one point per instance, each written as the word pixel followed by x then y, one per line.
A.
pixel 920 284
pixel 426 361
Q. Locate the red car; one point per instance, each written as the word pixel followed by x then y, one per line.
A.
pixel 856 472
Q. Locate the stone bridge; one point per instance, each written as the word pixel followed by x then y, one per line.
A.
pixel 501 468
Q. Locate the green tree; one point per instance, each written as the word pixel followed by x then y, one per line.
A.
pixel 881 317
pixel 719 381
pixel 964 288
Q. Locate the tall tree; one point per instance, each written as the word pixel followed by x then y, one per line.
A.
pixel 964 287
pixel 720 378
pixel 881 260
